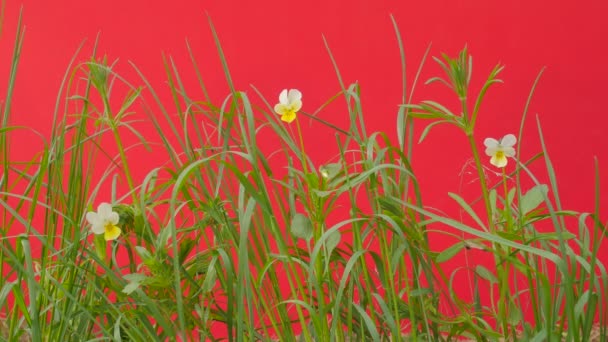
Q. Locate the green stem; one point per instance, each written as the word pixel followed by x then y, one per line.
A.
pixel 501 268
pixel 114 127
pixel 121 150
pixel 504 271
pixel 508 217
pixel 123 158
pixel 482 181
pixel 304 158
pixel 317 232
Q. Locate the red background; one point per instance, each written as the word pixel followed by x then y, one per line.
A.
pixel 278 44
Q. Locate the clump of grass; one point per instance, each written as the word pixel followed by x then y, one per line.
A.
pixel 217 242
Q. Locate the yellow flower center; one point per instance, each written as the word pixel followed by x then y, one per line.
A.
pixel 289 114
pixel 500 155
pixel 111 232
pixel 109 228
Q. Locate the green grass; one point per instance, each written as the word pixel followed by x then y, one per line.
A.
pixel 219 243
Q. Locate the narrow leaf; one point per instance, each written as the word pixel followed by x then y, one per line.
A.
pixel 450 252
pixel 486 274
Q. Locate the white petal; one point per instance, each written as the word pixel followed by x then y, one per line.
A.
pixel 491 151
pixel 98 228
pixel 490 142
pixel 92 217
pixel 296 105
pixel 280 108
pixel 294 95
pixel 283 97
pixel 104 210
pixel 509 151
pixel 508 140
pixel 113 218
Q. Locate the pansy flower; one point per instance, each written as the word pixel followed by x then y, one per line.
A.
pixel 104 221
pixel 500 150
pixel 290 102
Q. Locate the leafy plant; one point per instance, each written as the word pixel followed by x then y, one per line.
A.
pixel 217 242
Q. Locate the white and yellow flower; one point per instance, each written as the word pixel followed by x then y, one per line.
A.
pixel 104 221
pixel 290 102
pixel 500 150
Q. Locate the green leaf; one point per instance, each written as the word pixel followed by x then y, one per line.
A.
pixel 510 236
pixel 135 280
pixel 163 237
pixel 450 252
pixel 210 278
pixel 132 95
pixel 436 107
pixel 533 198
pixel 540 336
pixel 420 292
pixel 5 291
pixel 511 196
pixel 130 287
pixel 100 246
pixel 131 277
pixel 332 241
pixel 301 227
pixel 143 253
pixel 515 315
pixel 117 333
pixel 553 236
pixel 466 207
pixel 186 246
pixel 312 179
pixel 428 128
pixel 329 171
pixel 492 198
pixel 581 304
pixel 486 274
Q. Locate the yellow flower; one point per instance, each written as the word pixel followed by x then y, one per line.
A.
pixel 289 104
pixel 500 150
pixel 104 221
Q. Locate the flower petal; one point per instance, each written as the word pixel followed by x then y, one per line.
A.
pixel 491 142
pixel 288 117
pixel 491 150
pixel 498 162
pixel 98 228
pixel 296 105
pixel 283 97
pixel 280 108
pixel 294 95
pixel 104 210
pixel 508 140
pixel 111 233
pixel 509 151
pixel 113 218
pixel 92 217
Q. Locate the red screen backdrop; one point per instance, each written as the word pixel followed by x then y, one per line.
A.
pixel 279 44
